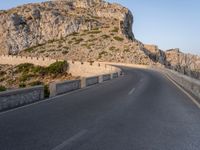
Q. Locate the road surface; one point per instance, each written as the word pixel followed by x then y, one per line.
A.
pixel 142 110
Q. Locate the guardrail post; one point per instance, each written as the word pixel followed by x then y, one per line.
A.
pixel 100 78
pixel 83 82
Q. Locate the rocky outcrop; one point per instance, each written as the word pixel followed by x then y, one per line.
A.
pixel 84 30
pixel 33 24
pixel 187 64
pixel 155 53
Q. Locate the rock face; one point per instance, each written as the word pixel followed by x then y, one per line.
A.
pixel 187 64
pixel 29 25
pixel 84 30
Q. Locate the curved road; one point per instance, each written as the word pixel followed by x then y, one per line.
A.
pixel 140 111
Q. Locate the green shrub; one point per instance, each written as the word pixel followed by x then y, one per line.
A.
pixel 24 77
pixel 2 73
pixel 77 41
pixel 2 79
pixel 105 36
pixel 46 91
pixel 74 34
pixel 35 83
pixel 30 49
pixel 2 88
pixel 115 29
pixel 126 50
pixel 58 68
pixel 117 38
pixel 39 70
pixel 22 85
pixel 65 52
pixel 102 53
pixel 112 48
pixel 94 32
pixel 26 67
pixel 95 17
pixel 70 42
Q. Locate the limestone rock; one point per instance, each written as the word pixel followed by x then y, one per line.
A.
pixel 32 24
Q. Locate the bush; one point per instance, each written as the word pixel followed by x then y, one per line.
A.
pixel 112 48
pixel 65 52
pixel 35 83
pixel 126 50
pixel 105 36
pixel 2 88
pixel 22 85
pixel 115 29
pixel 102 53
pixel 94 32
pixel 70 42
pixel 117 38
pixel 24 77
pixel 39 70
pixel 26 67
pixel 77 41
pixel 58 67
pixel 46 91
pixel 2 73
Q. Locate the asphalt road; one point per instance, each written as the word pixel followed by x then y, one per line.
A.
pixel 141 111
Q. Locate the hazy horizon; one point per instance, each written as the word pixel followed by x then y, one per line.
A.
pixel 168 24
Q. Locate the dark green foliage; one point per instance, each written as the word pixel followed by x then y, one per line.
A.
pixel 46 91
pixel 70 42
pixel 117 38
pixel 74 34
pixel 102 54
pixel 2 73
pixel 105 36
pixel 126 50
pixel 2 88
pixel 22 85
pixel 115 29
pixel 94 32
pixel 35 83
pixel 25 77
pixel 65 52
pixel 112 48
pixel 30 49
pixel 78 41
pixel 58 68
pixel 24 68
pixel 39 70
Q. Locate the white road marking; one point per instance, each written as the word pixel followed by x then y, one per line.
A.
pixel 70 140
pixel 185 92
pixel 131 91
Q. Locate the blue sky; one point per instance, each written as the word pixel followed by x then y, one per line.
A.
pixel 166 23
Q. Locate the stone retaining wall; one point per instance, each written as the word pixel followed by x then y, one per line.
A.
pixel 16 60
pixel 86 69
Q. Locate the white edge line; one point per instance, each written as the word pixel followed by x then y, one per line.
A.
pixel 70 140
pixel 185 92
pixel 53 98
pixel 131 91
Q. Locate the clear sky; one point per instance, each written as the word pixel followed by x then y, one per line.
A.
pixel 166 23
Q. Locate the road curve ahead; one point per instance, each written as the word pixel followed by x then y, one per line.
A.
pixel 140 111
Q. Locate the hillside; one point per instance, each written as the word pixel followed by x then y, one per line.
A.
pixel 84 30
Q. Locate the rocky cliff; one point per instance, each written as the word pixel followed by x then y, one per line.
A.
pixel 84 30
pixel 187 64
pixel 33 24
